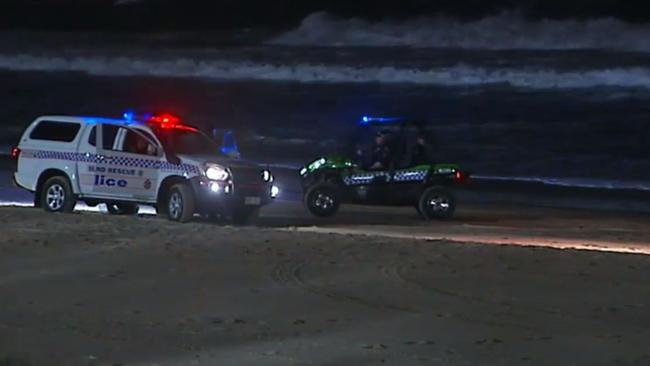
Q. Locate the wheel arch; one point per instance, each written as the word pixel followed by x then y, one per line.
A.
pixel 42 178
pixel 164 188
pixel 327 176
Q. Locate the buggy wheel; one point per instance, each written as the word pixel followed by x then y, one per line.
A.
pixel 436 203
pixel 322 200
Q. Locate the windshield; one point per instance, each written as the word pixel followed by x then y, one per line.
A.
pixel 186 141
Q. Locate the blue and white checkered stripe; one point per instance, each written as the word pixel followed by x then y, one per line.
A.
pixel 363 178
pixel 120 160
pixel 400 176
pixel 410 175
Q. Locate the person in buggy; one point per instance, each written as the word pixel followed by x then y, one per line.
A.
pixel 380 157
pixel 422 153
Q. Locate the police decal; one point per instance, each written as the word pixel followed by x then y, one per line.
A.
pixel 101 180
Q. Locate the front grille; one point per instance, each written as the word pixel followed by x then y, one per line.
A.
pixel 247 180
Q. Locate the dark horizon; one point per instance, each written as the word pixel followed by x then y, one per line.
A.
pixel 145 15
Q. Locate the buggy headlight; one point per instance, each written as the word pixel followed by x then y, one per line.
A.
pixel 316 164
pixel 216 172
pixel 267 176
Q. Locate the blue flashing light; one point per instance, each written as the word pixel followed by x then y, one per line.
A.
pixel 367 119
pixel 229 144
pixel 95 120
pixel 129 115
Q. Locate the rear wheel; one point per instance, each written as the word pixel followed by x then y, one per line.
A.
pixel 436 203
pixel 245 215
pixel 322 200
pixel 122 208
pixel 180 203
pixel 57 195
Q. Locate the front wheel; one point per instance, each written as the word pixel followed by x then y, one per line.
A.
pixel 322 200
pixel 57 195
pixel 122 208
pixel 436 203
pixel 180 203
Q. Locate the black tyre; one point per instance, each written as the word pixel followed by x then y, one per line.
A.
pixel 91 203
pixel 122 208
pixel 322 200
pixel 57 195
pixel 180 203
pixel 245 215
pixel 436 203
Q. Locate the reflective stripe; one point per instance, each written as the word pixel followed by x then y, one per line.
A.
pixel 410 175
pixel 363 178
pixel 118 160
pixel 400 176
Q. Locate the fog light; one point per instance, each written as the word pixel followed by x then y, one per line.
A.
pixel 215 187
pixel 275 191
pixel 267 176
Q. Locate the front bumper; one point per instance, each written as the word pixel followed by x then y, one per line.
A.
pixel 228 197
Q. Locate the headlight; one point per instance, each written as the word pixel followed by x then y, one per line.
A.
pixel 267 176
pixel 275 191
pixel 317 164
pixel 216 172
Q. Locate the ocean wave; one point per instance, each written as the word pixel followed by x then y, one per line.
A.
pixel 508 30
pixel 594 183
pixel 458 75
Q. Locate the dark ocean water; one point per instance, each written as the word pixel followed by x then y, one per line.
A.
pixel 494 131
pixel 573 112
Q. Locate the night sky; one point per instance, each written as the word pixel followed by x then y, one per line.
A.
pixel 144 15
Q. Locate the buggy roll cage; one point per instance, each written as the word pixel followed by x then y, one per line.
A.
pixel 401 142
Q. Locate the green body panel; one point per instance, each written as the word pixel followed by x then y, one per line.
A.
pixel 348 167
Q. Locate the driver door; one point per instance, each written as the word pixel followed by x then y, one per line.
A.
pixel 130 159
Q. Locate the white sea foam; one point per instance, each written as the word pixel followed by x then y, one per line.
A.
pixel 458 75
pixel 142 209
pixel 574 182
pixel 508 30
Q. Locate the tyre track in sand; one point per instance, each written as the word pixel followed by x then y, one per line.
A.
pixel 400 272
pixel 291 273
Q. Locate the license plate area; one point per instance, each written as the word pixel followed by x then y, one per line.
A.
pixel 252 201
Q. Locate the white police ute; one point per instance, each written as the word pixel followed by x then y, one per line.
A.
pixel 157 160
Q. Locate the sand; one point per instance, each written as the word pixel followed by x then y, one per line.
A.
pixel 92 289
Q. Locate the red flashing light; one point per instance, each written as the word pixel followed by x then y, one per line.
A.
pixel 179 127
pixel 164 119
pixel 15 153
pixel 169 121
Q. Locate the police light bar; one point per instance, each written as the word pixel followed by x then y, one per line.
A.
pixel 129 116
pixel 164 119
pixel 169 121
pixel 367 119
